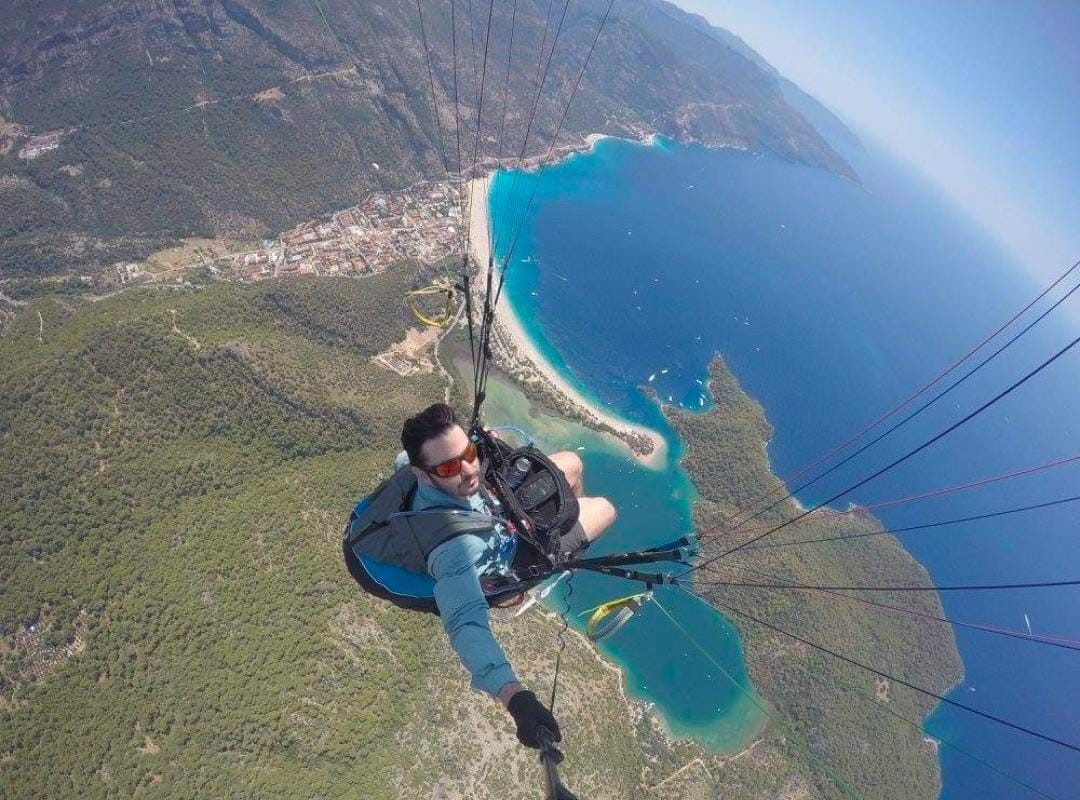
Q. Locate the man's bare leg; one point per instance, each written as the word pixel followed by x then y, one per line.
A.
pixel 572 468
pixel 596 515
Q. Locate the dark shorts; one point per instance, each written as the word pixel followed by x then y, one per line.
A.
pixel 574 541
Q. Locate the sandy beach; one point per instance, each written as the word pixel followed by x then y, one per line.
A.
pixel 524 354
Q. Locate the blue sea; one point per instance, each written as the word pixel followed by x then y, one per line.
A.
pixel 830 301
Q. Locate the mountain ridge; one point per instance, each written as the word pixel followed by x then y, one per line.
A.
pixel 128 128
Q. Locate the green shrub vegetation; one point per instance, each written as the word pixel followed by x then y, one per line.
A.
pixel 831 704
pixel 177 467
pixel 176 619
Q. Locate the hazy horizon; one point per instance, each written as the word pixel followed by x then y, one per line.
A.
pixel 982 98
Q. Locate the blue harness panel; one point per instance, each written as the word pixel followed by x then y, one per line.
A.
pixel 397 580
pixel 392 578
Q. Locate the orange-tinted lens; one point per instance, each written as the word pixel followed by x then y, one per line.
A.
pixel 452 466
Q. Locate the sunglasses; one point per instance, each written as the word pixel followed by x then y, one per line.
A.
pixel 452 466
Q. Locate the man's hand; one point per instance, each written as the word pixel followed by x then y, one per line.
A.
pixel 530 715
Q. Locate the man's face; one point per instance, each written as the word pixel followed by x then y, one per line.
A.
pixel 449 445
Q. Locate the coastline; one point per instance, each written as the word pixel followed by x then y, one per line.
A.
pixel 764 451
pixel 520 356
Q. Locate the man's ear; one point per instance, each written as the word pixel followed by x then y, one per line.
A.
pixel 421 476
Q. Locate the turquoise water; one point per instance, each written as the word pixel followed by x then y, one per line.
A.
pixel 693 695
pixel 829 301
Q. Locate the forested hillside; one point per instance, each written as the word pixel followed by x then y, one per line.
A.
pixel 864 728
pixel 125 126
pixel 177 466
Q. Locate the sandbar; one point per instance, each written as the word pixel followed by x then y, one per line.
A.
pixel 524 353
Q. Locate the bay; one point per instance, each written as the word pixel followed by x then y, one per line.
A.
pixel 830 301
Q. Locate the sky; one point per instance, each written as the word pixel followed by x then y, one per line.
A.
pixel 981 96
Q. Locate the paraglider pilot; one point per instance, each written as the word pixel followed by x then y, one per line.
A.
pixel 447 469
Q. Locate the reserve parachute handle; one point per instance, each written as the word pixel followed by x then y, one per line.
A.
pixel 610 617
pixel 440 286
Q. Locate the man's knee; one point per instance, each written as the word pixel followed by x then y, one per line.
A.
pixel 607 509
pixel 596 515
pixel 570 465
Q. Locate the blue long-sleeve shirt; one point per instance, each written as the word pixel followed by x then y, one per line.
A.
pixel 457 566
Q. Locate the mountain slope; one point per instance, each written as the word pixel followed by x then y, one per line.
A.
pixel 124 127
pixel 175 615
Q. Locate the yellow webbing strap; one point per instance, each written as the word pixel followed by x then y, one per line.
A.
pixel 443 287
pixel 607 618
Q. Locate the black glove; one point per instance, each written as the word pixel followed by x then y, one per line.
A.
pixel 530 715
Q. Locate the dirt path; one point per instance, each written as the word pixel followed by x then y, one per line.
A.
pixel 188 336
pixel 435 354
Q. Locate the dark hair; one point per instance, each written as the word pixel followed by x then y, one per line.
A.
pixel 435 420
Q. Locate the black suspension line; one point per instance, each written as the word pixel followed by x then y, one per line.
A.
pixel 724 523
pixel 568 592
pixel 532 115
pixel 762 707
pixel 901 459
pixel 962 487
pixel 479 120
pixel 543 41
pixel 457 132
pixel 492 217
pixel 472 52
pixel 911 528
pixel 912 415
pixel 434 96
pixel 536 87
pixel 1051 641
pixel 722 607
pixel 971 587
pixel 886 707
pixel 554 139
pixel 481 369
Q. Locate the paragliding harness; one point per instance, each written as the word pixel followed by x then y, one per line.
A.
pixel 386 544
